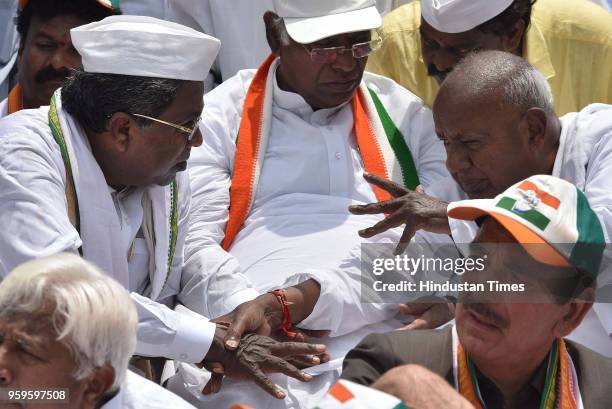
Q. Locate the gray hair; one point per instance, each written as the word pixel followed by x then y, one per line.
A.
pixel 93 315
pixel 520 83
pixel 93 97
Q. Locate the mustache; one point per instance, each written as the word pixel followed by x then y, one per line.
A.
pixel 49 73
pixel 433 71
pixel 487 312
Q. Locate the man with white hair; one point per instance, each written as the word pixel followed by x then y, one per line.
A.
pixel 494 113
pixel 67 326
pixel 569 41
pixel 98 172
pixel 283 157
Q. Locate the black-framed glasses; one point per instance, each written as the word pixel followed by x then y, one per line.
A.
pixel 189 131
pixel 330 54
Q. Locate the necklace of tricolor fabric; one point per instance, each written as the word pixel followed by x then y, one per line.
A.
pixel 382 146
pixel 559 390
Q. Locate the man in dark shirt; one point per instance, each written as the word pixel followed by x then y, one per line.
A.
pixel 507 349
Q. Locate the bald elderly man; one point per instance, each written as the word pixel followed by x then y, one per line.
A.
pixel 569 41
pixel 495 115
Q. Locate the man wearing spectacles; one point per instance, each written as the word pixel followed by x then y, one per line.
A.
pixel 284 155
pixel 99 172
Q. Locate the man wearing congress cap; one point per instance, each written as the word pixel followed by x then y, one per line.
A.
pixel 46 53
pixel 98 172
pixel 283 157
pixel 494 113
pixel 569 41
pixel 507 350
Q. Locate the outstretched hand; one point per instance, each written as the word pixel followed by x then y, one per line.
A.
pixel 415 209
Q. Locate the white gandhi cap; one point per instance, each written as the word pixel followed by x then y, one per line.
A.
pixel 146 47
pixel 308 21
pixel 458 16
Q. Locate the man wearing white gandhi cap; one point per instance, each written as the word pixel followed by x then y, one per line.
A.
pixel 98 172
pixel 277 214
pixel 567 40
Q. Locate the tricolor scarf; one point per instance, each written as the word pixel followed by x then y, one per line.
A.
pixel 15 99
pixel 58 128
pixel 561 390
pixel 383 148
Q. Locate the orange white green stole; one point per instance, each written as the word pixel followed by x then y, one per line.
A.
pixel 15 99
pixel 382 146
pixel 561 390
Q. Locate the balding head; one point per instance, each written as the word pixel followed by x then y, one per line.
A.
pixel 499 78
pixel 494 114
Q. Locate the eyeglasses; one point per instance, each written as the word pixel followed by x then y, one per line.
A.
pixel 330 55
pixel 189 131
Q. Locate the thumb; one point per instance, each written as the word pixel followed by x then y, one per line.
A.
pixel 419 189
pixel 234 333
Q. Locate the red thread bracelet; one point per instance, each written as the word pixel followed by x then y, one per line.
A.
pixel 286 324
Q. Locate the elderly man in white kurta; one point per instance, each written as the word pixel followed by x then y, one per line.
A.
pixel 489 150
pixel 43 307
pixel 99 172
pixel 283 158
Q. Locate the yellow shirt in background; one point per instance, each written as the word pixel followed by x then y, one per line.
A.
pixel 569 41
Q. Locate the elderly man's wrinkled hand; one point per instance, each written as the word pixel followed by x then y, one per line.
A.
pixel 415 209
pixel 256 356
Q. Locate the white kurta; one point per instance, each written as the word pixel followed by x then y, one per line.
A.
pixel 584 159
pixel 299 226
pixel 137 392
pixel 35 224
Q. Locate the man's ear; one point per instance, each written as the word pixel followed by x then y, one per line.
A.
pixel 573 317
pixel 97 386
pixel 272 32
pixel 535 123
pixel 512 41
pixel 121 128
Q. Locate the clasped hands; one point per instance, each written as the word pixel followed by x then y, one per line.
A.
pixel 263 350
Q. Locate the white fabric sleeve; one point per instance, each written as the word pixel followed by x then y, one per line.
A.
pixel 217 273
pixel 194 283
pixel 597 191
pixel 339 308
pixel 33 212
pixel 463 231
pixel 168 333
